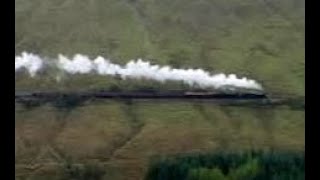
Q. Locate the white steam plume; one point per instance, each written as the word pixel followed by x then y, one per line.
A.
pixel 32 63
pixel 135 69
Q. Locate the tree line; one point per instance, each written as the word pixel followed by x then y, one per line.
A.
pixel 253 165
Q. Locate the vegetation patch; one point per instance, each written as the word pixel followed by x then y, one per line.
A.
pixel 253 165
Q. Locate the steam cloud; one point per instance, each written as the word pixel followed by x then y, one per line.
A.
pixel 134 69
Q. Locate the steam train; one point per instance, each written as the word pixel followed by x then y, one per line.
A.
pixel 148 94
pixel 224 97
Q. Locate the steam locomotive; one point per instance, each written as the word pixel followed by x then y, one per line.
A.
pixel 149 94
pixel 224 97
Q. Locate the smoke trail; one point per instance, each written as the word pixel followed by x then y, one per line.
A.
pixel 32 63
pixel 135 69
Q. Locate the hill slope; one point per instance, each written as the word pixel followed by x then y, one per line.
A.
pixel 263 40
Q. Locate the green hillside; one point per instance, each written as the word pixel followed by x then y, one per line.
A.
pixel 262 40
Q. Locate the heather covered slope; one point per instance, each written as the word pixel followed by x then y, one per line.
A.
pixel 263 40
pixel 124 137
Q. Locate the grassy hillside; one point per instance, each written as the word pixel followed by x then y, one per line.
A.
pixel 123 137
pixel 263 40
